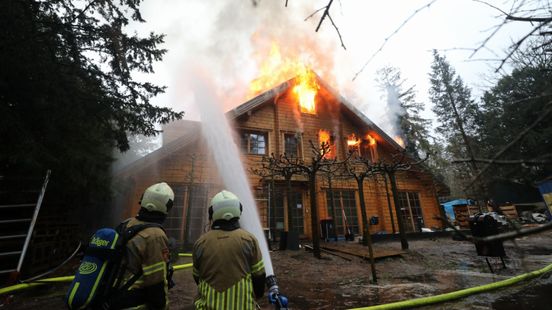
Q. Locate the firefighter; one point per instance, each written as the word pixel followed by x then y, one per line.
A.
pixel 147 254
pixel 228 265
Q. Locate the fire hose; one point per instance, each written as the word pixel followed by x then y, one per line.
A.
pixel 23 286
pixel 424 301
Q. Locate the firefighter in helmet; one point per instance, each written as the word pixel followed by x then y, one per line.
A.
pixel 228 265
pixel 147 253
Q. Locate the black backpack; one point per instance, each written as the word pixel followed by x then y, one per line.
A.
pixel 100 274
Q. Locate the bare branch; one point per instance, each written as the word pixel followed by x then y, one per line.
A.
pixel 338 33
pixel 390 36
pixel 494 7
pixel 519 42
pixel 543 116
pixel 320 9
pixel 326 13
pixel 529 162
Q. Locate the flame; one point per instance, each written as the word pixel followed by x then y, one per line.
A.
pixel 305 90
pixel 371 140
pixel 277 69
pixel 399 140
pixel 352 140
pixel 324 137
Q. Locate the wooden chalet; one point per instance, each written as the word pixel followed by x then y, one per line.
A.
pixel 274 123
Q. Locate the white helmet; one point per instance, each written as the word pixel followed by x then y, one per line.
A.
pixel 158 197
pixel 225 206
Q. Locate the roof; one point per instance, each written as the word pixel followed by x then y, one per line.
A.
pixel 192 130
pixel 190 135
pixel 350 109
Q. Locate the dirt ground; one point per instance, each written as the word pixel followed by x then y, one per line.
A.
pixel 429 267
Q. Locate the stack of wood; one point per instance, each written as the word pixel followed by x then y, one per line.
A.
pixel 462 213
pixel 509 211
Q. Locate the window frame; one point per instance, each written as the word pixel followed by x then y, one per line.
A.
pixel 297 146
pixel 248 149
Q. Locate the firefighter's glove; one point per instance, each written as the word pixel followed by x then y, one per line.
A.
pixel 170 272
pixel 277 299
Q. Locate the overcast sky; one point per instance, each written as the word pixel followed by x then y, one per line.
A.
pixel 229 39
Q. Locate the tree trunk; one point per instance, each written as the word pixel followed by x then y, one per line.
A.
pixel 289 203
pixel 366 238
pixel 365 232
pixel 332 204
pixel 389 203
pixel 314 215
pixel 402 233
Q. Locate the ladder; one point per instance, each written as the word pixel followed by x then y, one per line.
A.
pixel 17 221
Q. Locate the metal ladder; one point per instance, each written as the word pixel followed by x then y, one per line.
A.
pixel 17 223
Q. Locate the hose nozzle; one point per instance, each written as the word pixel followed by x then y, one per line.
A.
pixel 279 301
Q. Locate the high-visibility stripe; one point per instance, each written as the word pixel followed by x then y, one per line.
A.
pixel 153 266
pixel 73 292
pixel 93 292
pixel 230 299
pixel 115 241
pixel 257 267
pixel 150 271
pixel 238 296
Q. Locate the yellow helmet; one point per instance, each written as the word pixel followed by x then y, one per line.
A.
pixel 225 206
pixel 158 197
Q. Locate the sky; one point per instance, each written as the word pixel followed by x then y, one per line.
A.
pixel 229 40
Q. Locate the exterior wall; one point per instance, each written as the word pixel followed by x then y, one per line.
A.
pixel 276 118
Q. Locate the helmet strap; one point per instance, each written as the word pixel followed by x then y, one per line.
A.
pixel 151 216
pixel 225 225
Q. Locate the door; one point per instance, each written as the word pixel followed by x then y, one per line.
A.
pixel 411 211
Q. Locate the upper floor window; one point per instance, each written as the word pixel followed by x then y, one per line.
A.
pixel 254 143
pixel 291 145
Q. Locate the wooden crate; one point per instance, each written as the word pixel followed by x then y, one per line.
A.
pixel 462 213
pixel 509 211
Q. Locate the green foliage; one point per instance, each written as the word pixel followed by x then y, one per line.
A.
pixel 457 117
pixel 512 105
pixel 67 91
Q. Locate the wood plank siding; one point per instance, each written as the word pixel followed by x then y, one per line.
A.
pixel 186 164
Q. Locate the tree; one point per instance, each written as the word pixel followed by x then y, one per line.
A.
pixel 514 103
pixel 402 104
pixel 456 112
pixel 68 93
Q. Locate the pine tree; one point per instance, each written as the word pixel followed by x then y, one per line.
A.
pixel 68 94
pixel 456 113
pixel 402 104
pixel 513 104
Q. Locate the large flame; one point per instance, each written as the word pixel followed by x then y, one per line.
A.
pixel 399 140
pixel 305 90
pixel 276 69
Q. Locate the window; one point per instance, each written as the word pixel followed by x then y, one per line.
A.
pixel 344 211
pixel 254 143
pixel 369 150
pixel 411 211
pixel 291 145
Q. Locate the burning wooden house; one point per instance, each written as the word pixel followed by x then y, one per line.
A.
pixel 288 119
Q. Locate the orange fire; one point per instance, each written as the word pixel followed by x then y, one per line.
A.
pixel 324 137
pixel 352 140
pixel 371 140
pixel 399 140
pixel 277 69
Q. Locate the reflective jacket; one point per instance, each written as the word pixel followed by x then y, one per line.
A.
pixel 146 253
pixel 224 264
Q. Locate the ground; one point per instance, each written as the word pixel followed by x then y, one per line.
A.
pixel 430 266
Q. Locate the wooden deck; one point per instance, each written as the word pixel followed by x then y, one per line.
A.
pixel 361 251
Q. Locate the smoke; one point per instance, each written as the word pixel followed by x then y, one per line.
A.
pixel 231 39
pixel 394 111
